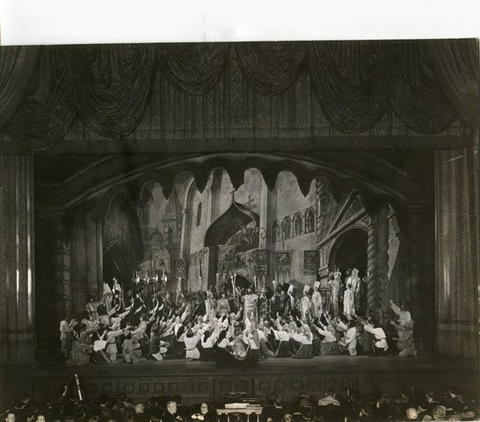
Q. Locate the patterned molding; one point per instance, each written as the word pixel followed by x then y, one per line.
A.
pixel 180 268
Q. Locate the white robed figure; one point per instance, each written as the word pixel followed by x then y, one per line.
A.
pixel 250 305
pixel 335 289
pixel 354 281
pixel 349 302
pixel 191 342
pixel 317 302
pixel 306 305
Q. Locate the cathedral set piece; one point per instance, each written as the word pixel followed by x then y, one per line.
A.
pixel 230 275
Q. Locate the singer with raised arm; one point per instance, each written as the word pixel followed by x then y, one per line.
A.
pixel 403 314
pixel 380 345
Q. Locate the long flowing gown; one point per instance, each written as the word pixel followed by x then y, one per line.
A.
pixel 306 349
pixel 317 305
pixel 305 309
pixel 250 306
pixel 348 303
pixel 81 350
pixel 335 291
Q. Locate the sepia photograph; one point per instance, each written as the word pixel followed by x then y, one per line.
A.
pixel 240 231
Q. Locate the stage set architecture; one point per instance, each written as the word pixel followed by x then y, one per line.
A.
pixel 191 165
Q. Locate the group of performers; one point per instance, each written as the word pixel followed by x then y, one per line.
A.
pixel 234 324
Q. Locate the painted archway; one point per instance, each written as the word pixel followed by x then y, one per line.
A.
pixel 350 251
pixel 238 223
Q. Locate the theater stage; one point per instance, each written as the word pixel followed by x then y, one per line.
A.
pixel 197 381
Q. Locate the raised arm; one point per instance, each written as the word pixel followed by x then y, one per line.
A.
pixel 395 308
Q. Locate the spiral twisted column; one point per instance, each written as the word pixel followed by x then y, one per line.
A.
pixel 374 286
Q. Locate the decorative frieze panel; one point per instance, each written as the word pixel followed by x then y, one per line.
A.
pixel 180 268
pixel 161 261
pixel 283 260
pixel 310 262
pixel 261 259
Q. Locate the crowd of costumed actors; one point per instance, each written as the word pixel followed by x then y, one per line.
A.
pixel 236 321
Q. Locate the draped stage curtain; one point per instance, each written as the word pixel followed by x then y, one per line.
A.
pixel 427 84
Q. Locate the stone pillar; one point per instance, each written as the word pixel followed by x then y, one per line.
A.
pixel 265 227
pixel 457 252
pixel 62 296
pixel 17 295
pixel 210 204
pixel 271 245
pixel 186 227
pixel 215 195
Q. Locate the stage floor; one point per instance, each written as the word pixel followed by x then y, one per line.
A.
pixel 196 380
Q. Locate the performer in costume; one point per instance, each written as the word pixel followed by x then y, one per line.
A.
pixel 81 351
pixel 350 341
pixel 348 302
pixel 66 328
pixel 363 294
pixel 128 304
pixel 317 301
pixel 191 343
pixel 265 346
pixel 250 304
pixel 116 286
pixel 290 302
pixel 306 305
pixel 341 291
pixel 252 340
pixel 156 305
pixel 304 337
pixel 405 342
pixel 239 348
pixel 355 282
pixel 131 349
pixel 329 345
pixel 335 285
pixel 278 301
pixel 157 347
pixel 111 339
pixel 403 314
pixel 380 345
pixel 283 338
pixel 264 305
pixel 189 310
pixel 223 306
pixel 138 307
pixel 91 308
pixel 210 305
pixel 207 352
